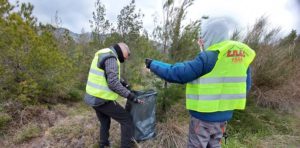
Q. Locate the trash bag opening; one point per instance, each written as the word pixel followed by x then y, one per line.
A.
pixel 142 94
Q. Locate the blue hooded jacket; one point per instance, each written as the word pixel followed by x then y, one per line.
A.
pixel 214 32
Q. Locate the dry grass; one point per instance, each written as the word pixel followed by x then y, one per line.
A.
pixel 280 141
pixel 26 133
pixel 275 71
pixel 32 121
pixel 170 134
pixel 284 96
pixel 83 131
pixel 75 131
pixel 80 128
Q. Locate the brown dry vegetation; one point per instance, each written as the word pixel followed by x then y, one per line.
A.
pixel 76 125
pixel 276 68
pixel 79 127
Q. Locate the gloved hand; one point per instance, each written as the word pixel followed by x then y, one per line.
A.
pixel 148 62
pixel 132 97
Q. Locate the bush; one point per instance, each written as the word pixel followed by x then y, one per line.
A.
pixel 168 96
pixel 4 120
pixel 76 94
pixel 34 65
pixel 27 132
pixel 274 69
pixel 28 91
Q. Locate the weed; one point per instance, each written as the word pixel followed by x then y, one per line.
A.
pixel 27 132
pixel 4 120
pixel 249 127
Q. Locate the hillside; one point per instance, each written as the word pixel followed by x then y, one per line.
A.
pixel 44 70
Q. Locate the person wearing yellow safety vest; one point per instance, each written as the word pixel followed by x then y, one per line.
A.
pixel 104 86
pixel 217 81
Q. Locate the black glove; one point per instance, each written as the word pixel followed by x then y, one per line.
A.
pixel 148 61
pixel 132 97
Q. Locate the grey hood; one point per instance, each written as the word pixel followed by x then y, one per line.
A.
pixel 216 30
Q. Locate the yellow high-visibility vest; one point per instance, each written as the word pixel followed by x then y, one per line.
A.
pixel 224 88
pixel 96 84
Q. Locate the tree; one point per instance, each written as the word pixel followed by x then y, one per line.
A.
pixel 176 39
pixel 172 32
pixel 26 14
pixel 57 22
pixel 99 24
pixel 183 37
pixel 33 68
pixel 84 55
pixel 5 8
pixel 130 23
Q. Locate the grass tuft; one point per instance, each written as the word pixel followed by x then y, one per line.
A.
pixel 26 133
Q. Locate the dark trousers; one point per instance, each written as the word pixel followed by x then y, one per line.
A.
pixel 114 110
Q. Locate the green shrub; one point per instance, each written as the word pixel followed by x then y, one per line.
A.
pixel 168 96
pixel 27 132
pixel 75 94
pixel 4 120
pixel 28 91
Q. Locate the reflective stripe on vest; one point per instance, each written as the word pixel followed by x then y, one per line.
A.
pixel 94 71
pixel 217 97
pixel 219 80
pixel 97 85
pixel 224 88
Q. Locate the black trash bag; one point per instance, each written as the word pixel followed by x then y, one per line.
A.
pixel 143 115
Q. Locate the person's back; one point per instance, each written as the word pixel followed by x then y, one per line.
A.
pixel 217 78
pixel 214 31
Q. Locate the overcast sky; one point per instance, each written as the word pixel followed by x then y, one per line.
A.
pixel 75 14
